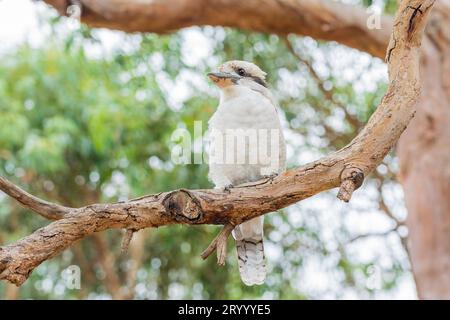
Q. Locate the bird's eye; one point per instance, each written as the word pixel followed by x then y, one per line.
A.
pixel 241 72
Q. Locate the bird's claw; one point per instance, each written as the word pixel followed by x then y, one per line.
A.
pixel 271 177
pixel 228 188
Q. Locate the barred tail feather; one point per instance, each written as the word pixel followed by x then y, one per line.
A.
pixel 250 251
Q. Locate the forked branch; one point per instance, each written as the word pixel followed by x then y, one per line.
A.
pixel 220 244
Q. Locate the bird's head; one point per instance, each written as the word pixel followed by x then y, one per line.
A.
pixel 232 72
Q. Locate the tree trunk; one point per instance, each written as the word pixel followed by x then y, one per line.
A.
pixel 424 153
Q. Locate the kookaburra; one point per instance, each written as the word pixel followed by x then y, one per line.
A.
pixel 247 113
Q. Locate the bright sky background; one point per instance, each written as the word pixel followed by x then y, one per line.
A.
pixel 19 22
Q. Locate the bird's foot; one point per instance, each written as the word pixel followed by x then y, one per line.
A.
pixel 270 177
pixel 228 188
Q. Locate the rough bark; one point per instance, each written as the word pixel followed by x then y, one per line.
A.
pixel 320 19
pixel 424 153
pixel 345 168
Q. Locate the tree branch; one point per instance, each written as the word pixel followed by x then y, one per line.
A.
pixel 220 244
pixel 46 209
pixel 351 179
pixel 320 19
pixel 126 240
pixel 341 168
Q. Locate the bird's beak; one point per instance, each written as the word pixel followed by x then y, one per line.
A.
pixel 223 79
pixel 219 75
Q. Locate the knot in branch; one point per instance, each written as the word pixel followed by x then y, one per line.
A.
pixel 182 206
pixel 351 179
